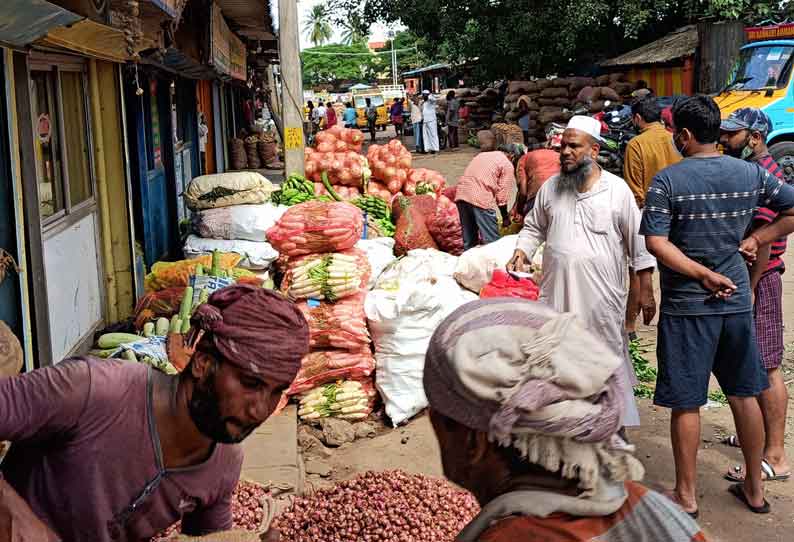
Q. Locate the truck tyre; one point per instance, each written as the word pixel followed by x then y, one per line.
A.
pixel 783 153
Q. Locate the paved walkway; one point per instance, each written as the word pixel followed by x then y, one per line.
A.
pixel 271 452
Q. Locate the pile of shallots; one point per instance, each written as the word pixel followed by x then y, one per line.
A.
pixel 392 506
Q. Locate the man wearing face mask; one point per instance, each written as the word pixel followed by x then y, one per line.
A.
pixel 107 450
pixel 695 221
pixel 590 223
pixel 743 135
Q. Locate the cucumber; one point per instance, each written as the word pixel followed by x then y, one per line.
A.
pixel 161 327
pixel 185 327
pixel 187 303
pixel 129 355
pixel 114 340
pixel 148 329
pixel 176 324
pixel 216 263
pixel 199 270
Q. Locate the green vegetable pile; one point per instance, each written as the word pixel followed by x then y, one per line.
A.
pixel 643 369
pixel 296 189
pixel 379 210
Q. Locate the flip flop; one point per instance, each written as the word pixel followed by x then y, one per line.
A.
pixel 768 474
pixel 737 491
pixel 731 441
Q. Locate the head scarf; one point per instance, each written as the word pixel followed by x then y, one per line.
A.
pixel 256 330
pixel 536 380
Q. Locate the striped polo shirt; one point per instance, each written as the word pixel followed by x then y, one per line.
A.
pixel 487 180
pixel 765 216
pixel 704 206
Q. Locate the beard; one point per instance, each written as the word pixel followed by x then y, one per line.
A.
pixel 204 409
pixel 575 178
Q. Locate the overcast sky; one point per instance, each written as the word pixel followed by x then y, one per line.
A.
pixel 377 31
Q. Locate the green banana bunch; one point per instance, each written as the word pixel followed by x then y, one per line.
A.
pixel 296 189
pixel 373 206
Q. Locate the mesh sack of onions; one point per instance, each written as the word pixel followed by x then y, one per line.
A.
pixel 347 168
pixel 347 193
pixel 390 164
pixel 249 512
pixel 379 190
pixel 317 227
pixel 337 139
pixel 424 181
pixel 326 366
pixel 339 325
pixel 392 506
pixel 445 226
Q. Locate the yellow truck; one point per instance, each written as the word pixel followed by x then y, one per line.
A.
pixel 360 103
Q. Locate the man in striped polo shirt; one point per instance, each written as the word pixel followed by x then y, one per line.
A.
pixel 696 217
pixel 744 135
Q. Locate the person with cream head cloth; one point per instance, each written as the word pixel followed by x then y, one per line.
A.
pixel 590 222
pixel 526 407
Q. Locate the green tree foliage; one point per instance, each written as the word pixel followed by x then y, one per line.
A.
pixel 316 26
pixel 537 37
pixel 335 63
pixel 353 29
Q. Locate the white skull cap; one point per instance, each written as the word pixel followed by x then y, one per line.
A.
pixel 588 125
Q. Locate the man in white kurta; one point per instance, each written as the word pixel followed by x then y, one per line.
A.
pixel 429 122
pixel 589 220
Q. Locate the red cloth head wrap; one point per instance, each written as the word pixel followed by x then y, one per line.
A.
pixel 256 330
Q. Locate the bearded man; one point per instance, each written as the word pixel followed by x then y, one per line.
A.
pixel 110 450
pixel 590 223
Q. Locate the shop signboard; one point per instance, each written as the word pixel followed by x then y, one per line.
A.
pixel 773 32
pixel 227 51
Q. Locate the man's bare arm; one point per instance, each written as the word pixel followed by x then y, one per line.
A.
pixel 18 523
pixel 671 257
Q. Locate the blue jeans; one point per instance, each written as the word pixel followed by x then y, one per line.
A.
pixel 418 136
pixel 476 222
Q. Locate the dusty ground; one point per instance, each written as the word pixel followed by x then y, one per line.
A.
pixel 413 447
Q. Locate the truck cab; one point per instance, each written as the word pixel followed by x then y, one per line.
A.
pixel 762 79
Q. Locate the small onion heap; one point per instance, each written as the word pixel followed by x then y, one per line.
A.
pixel 248 510
pixel 389 506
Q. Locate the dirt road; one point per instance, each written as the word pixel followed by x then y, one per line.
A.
pixel 413 447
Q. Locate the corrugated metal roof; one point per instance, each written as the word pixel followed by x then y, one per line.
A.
pixel 24 21
pixel 679 44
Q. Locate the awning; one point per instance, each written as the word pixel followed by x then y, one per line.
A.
pixel 24 21
pixel 249 19
pixel 432 67
pixel 177 62
pixel 90 39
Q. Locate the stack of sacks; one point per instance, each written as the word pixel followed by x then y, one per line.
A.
pixel 612 87
pixel 327 277
pixel 484 108
pixel 410 299
pixel 548 100
pixel 231 214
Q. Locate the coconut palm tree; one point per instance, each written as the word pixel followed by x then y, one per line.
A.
pixel 317 27
pixel 353 31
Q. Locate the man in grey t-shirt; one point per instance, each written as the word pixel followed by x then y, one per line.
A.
pixel 453 107
pixel 106 450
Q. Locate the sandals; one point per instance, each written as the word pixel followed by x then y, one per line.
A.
pixel 768 474
pixel 737 491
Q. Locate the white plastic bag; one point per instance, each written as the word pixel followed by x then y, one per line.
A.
pixel 475 266
pixel 380 253
pixel 254 255
pixel 410 299
pixel 243 222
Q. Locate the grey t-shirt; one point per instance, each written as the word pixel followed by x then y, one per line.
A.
pixel 453 108
pixel 86 456
pixel 703 206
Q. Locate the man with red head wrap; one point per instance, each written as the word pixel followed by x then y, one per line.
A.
pixel 108 450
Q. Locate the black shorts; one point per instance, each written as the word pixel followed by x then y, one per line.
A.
pixel 690 348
